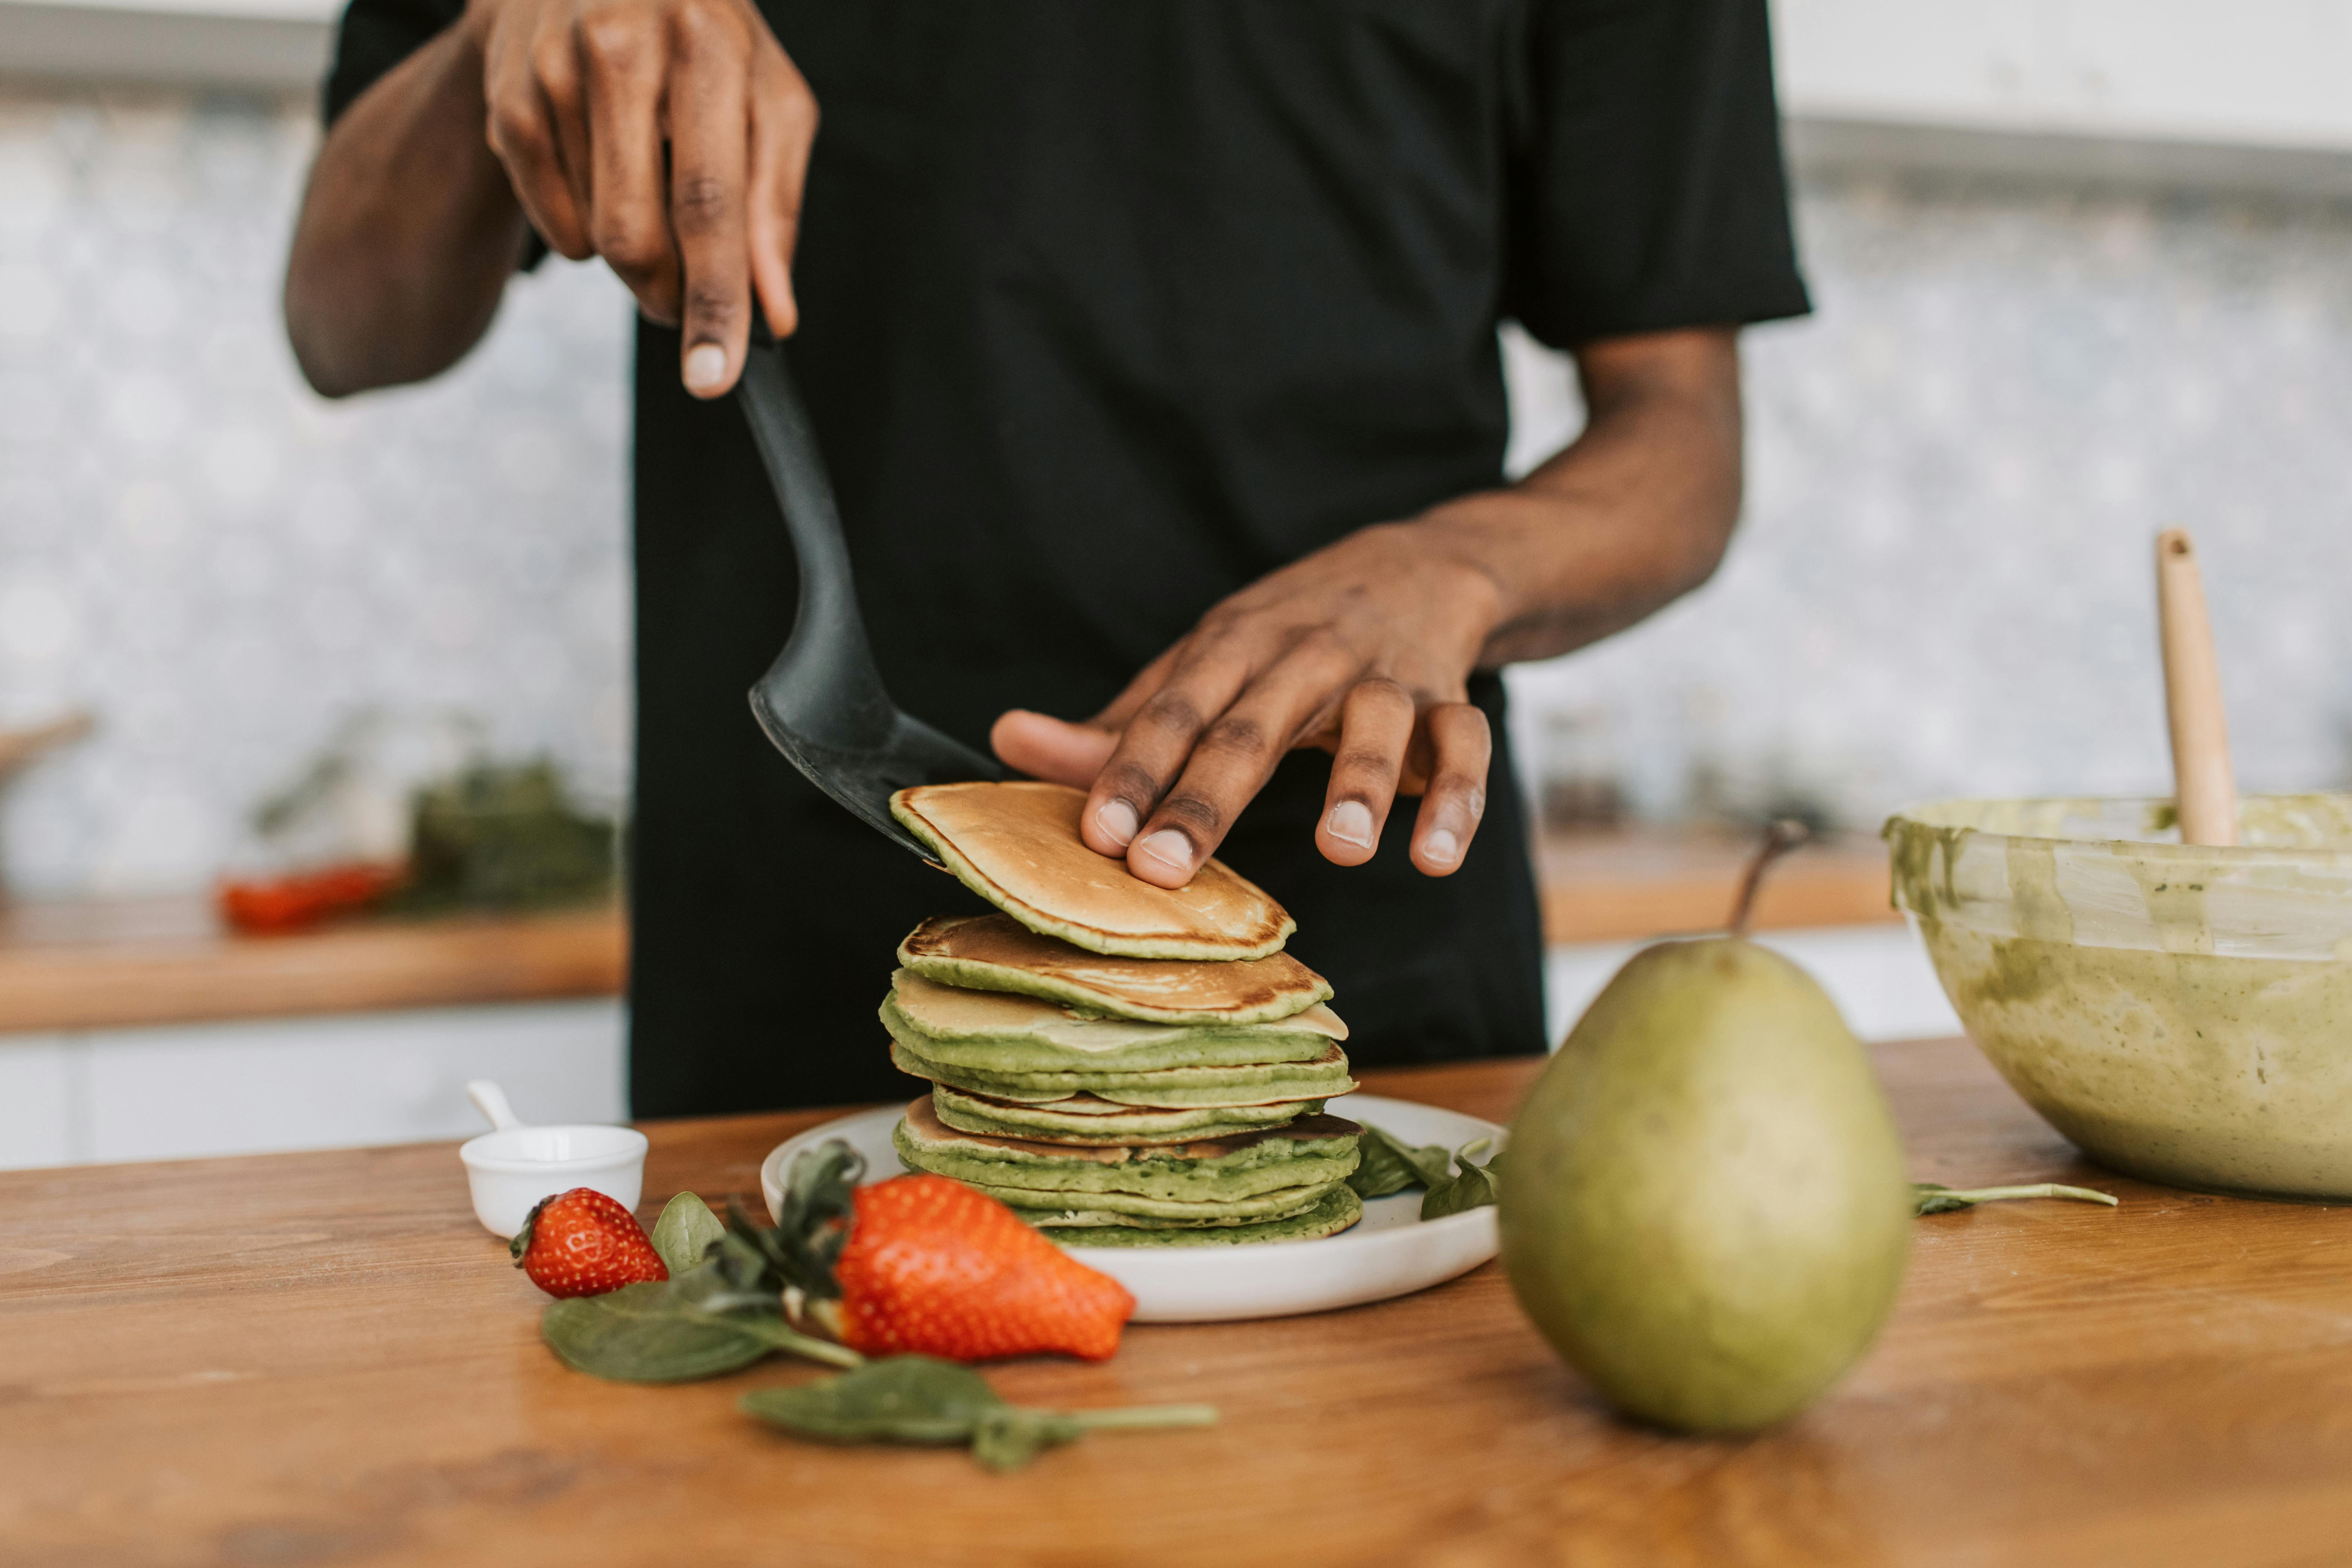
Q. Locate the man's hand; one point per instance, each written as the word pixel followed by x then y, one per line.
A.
pixel 671 138
pixel 1366 646
pixel 1362 648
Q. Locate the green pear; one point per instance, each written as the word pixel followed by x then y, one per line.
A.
pixel 1706 1209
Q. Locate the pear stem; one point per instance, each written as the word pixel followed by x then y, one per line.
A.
pixel 1778 839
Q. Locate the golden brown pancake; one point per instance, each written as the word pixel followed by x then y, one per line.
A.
pixel 1017 846
pixel 997 952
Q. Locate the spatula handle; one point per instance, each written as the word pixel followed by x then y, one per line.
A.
pixel 2204 786
pixel 828 641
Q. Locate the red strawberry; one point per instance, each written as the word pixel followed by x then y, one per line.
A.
pixel 582 1243
pixel 933 1267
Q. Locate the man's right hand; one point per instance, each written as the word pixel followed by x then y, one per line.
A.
pixel 586 96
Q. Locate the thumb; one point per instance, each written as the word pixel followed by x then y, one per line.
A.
pixel 1049 748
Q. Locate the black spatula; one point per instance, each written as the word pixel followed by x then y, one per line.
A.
pixel 822 702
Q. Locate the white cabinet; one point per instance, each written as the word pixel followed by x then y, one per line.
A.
pixel 303 1083
pixel 2273 73
pixel 271 44
pixel 37 1100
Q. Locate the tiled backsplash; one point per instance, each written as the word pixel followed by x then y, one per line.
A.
pixel 219 564
pixel 1943 585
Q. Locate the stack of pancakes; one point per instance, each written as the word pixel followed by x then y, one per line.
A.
pixel 1122 1064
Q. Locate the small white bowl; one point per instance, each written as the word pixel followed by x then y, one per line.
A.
pixel 511 1170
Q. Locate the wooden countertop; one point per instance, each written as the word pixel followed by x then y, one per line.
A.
pixel 113 962
pixel 321 1359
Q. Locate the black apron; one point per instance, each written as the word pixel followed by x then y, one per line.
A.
pixel 1112 307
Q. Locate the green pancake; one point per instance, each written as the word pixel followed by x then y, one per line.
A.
pixel 1334 1214
pixel 1172 1089
pixel 1311 1151
pixel 1084 1119
pixel 1126 1208
pixel 1000 1032
pixel 997 952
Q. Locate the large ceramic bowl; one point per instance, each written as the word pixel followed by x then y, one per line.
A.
pixel 2179 1011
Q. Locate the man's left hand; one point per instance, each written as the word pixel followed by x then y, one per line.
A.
pixel 1363 649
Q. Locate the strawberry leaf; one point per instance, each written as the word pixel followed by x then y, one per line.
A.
pixel 520 1242
pixel 813 1221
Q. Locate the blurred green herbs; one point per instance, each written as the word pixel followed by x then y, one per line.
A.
pixel 504 837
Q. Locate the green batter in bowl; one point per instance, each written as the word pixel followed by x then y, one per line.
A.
pixel 2182 1013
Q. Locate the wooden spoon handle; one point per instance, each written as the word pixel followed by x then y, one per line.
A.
pixel 19 747
pixel 2204 787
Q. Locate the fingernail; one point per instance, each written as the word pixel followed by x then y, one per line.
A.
pixel 706 367
pixel 1441 848
pixel 1167 847
pixel 1351 822
pixel 1116 820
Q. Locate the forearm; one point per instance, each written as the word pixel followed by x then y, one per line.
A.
pixel 1365 645
pixel 409 229
pixel 1632 515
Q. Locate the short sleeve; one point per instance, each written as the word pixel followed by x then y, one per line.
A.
pixel 376 36
pixel 1647 190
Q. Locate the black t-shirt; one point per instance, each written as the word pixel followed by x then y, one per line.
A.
pixel 1109 308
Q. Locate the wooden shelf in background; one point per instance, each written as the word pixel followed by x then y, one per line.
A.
pixel 1633 884
pixel 109 963
pixel 106 963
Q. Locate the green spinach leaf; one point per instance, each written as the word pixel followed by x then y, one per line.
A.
pixel 1471 1186
pixel 1385 1165
pixel 1008 1439
pixel 697 1324
pixel 1931 1197
pixel 644 1333
pixel 684 1232
pixel 917 1399
pixel 901 1399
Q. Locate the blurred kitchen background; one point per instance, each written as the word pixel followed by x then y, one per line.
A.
pixel 2082 269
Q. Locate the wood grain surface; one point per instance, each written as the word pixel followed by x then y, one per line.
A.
pixel 1634 883
pixel 112 964
pixel 320 1359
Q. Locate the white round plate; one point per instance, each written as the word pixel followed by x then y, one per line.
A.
pixel 1390 1252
